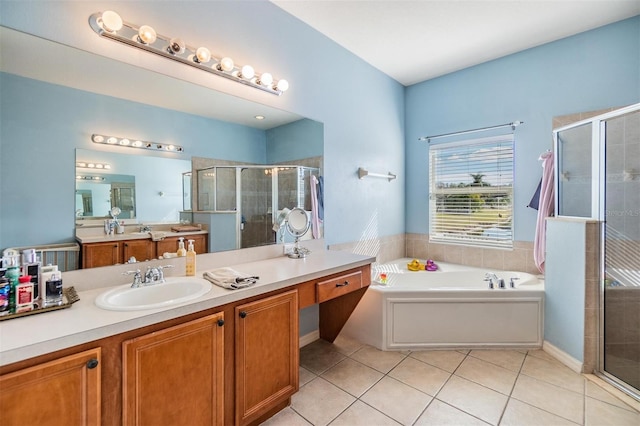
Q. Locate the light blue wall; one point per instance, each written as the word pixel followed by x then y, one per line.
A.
pixel 43 124
pixel 294 141
pixel 590 71
pixel 361 108
pixel 565 286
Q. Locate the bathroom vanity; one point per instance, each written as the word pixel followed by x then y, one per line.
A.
pixel 235 354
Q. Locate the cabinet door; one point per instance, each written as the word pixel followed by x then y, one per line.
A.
pixel 175 376
pixel 266 354
pixel 101 254
pixel 61 392
pixel 168 245
pixel 140 249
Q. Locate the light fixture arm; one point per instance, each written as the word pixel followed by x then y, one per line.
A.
pixel 127 33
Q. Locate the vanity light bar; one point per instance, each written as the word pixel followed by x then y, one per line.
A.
pixel 110 25
pixel 97 166
pixel 87 177
pixel 134 143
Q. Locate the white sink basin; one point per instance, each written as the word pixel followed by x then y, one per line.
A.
pixel 172 292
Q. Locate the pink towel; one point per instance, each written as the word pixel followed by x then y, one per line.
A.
pixel 545 209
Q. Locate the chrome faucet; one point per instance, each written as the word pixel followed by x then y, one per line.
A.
pixel 153 275
pixel 492 278
pixel 145 228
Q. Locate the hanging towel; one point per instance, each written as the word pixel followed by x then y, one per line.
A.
pixel 321 197
pixel 535 200
pixel 315 214
pixel 545 209
pixel 229 278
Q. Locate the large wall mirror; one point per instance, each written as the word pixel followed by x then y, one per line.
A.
pixel 48 114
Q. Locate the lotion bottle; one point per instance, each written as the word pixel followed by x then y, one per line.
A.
pixel 181 250
pixel 191 260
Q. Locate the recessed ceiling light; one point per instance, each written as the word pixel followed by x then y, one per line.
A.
pixel 259 117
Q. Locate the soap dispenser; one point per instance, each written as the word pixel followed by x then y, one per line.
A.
pixel 181 250
pixel 191 260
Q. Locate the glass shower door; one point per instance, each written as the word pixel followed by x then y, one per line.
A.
pixel 256 189
pixel 620 351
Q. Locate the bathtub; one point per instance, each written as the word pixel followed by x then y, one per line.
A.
pixel 452 307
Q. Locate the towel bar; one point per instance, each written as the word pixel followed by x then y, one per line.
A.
pixel 362 173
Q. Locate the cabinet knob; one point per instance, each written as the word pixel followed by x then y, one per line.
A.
pixel 346 283
pixel 243 314
pixel 220 322
pixel 92 363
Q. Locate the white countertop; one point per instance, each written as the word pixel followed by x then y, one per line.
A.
pixel 27 337
pixel 102 238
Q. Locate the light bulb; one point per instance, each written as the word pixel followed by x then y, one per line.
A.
pixel 170 147
pixel 266 79
pixel 282 85
pixel 125 142
pixel 107 166
pixel 81 165
pixel 137 144
pixel 112 140
pixel 98 138
pixel 111 21
pixel 91 165
pixel 176 45
pixel 78 177
pixel 247 72
pixel 99 166
pixel 147 35
pixel 203 55
pixel 226 64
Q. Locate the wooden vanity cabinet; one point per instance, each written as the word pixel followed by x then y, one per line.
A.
pixel 101 254
pixel 65 391
pixel 176 375
pixel 140 249
pixel 266 355
pixel 170 244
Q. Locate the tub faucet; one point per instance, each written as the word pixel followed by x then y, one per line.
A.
pixel 493 279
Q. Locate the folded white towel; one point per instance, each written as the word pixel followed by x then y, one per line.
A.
pixel 229 278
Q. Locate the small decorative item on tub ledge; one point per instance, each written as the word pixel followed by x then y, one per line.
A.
pixel 69 298
pixel 416 265
pixel 362 173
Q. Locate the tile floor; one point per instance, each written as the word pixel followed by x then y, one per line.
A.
pixel 347 383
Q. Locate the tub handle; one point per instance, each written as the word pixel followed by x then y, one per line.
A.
pixel 344 284
pixel 511 283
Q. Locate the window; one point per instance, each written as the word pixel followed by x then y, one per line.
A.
pixel 471 192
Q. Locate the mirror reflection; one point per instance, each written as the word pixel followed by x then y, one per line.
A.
pixel 88 92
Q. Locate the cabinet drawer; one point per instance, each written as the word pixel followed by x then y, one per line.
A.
pixel 338 286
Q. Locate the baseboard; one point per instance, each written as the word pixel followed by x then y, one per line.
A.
pixel 309 338
pixel 563 357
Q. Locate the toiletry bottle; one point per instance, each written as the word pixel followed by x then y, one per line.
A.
pixel 53 291
pixel 181 250
pixel 24 294
pixel 191 260
pixel 5 293
pixel 12 263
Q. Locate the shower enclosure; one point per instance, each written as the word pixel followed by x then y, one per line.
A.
pixel 598 177
pixel 245 200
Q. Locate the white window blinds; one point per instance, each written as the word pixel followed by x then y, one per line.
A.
pixel 471 192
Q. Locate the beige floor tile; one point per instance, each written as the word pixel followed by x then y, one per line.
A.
pixel 554 373
pixel 539 353
pixel 319 402
pixel 447 360
pixel 397 400
pixel 601 413
pixel 305 376
pixel 520 414
pixel 360 414
pixel 420 375
pixel 487 374
pixel 352 376
pixel 474 399
pixel 346 345
pixel 382 361
pixel 596 392
pixel 551 398
pixel 287 417
pixel 511 360
pixel 319 356
pixel 440 414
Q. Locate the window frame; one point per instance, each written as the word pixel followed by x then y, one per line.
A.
pixel 504 164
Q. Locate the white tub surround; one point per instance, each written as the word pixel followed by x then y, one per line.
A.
pixel 451 307
pixel 27 337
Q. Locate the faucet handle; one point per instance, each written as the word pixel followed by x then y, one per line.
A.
pixel 137 278
pixel 511 281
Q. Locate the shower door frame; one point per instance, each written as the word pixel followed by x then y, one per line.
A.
pixel 598 212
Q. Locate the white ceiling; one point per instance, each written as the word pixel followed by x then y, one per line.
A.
pixel 413 41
